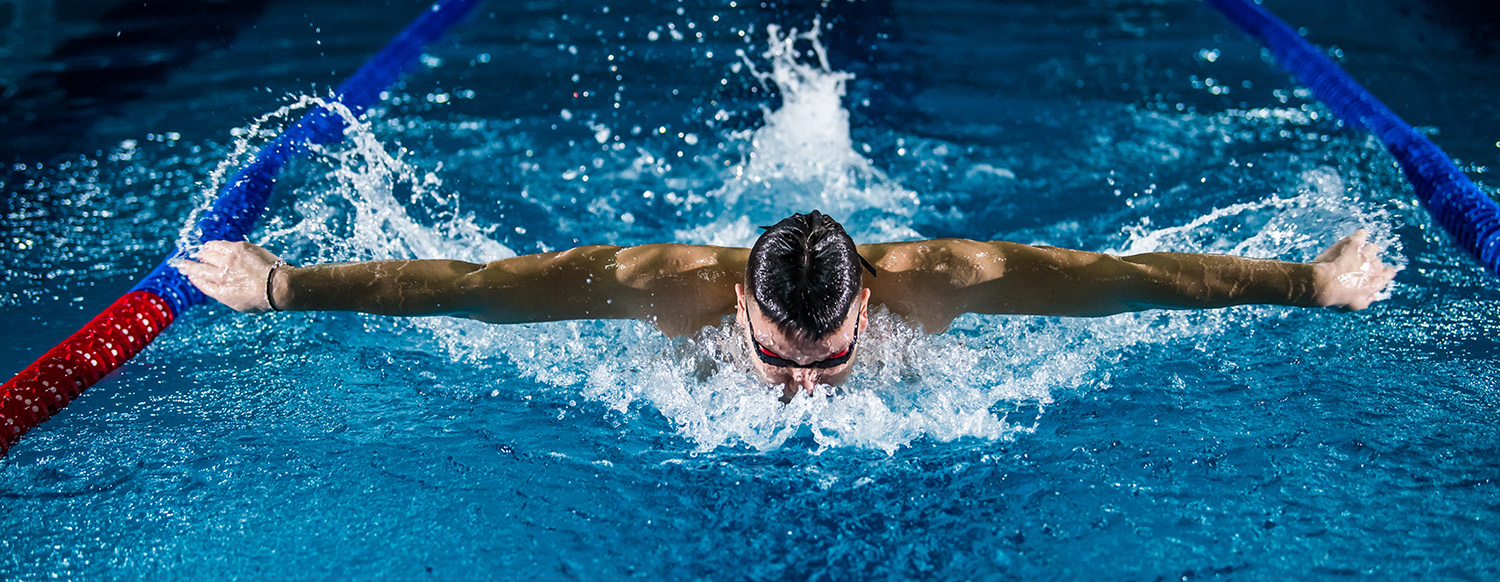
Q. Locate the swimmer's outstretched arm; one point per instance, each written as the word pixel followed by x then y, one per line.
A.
pixel 674 286
pixel 1001 277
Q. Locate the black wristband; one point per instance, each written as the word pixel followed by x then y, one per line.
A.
pixel 269 276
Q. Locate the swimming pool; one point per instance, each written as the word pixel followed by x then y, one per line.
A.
pixel 1249 443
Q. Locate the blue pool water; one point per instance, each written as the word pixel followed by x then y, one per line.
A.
pixel 1252 443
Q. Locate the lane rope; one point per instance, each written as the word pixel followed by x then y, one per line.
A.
pixel 1453 200
pixel 129 324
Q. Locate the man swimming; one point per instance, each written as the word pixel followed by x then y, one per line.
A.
pixel 799 293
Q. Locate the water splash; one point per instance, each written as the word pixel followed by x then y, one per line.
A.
pixel 1299 226
pixel 802 157
pixel 910 384
pixel 248 140
pixel 361 208
pixel 351 211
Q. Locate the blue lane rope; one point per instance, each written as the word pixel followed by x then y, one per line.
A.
pixel 243 198
pixel 1454 201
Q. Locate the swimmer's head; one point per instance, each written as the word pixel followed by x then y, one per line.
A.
pixel 803 303
pixel 804 273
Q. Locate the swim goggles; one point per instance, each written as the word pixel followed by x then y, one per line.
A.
pixel 771 359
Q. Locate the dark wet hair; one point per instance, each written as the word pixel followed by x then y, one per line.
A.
pixel 805 273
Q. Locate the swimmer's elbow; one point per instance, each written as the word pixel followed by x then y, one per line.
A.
pixel 485 293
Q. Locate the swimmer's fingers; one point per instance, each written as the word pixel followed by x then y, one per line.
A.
pixel 231 288
pixel 1370 283
pixel 200 274
pixel 1364 287
pixel 222 252
pixel 214 252
pixel 1339 249
pixel 1353 276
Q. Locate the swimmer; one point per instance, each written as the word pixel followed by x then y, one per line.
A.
pixel 801 294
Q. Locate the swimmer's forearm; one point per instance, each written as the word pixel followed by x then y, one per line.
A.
pixel 573 284
pixel 408 288
pixel 1054 281
pixel 1348 274
pixel 1203 281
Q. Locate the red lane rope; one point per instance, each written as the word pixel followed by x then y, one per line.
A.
pixel 115 335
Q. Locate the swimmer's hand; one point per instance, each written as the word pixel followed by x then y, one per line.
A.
pixel 234 273
pixel 1349 274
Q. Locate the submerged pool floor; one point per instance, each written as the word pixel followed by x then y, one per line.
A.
pixel 1252 443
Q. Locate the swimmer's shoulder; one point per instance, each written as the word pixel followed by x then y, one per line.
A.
pixel 651 265
pixel 923 280
pixel 940 255
pixel 682 288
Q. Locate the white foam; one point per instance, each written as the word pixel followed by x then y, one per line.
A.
pixel 910 384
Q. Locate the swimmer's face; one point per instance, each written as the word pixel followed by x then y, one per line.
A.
pixel 827 361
